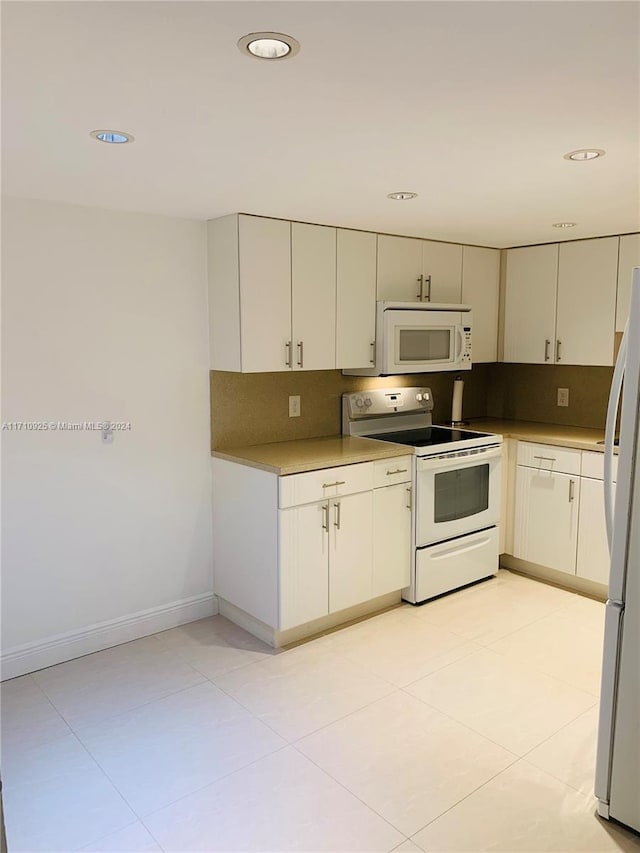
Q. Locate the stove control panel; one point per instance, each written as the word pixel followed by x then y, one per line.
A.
pixel 383 401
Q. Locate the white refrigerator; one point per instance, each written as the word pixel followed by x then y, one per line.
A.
pixel 618 759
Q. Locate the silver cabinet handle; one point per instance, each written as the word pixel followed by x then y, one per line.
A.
pixel 546 458
pixel 287 358
pixel 301 354
pixel 421 283
pixel 337 483
pixel 372 360
pixel 336 521
pixel 409 498
pixel 572 485
pixel 397 471
pixel 427 281
pixel 325 517
pixel 558 345
pixel 547 344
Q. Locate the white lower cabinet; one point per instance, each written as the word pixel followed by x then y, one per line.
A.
pixel 593 561
pixel 304 564
pixel 546 518
pixel 391 538
pixel 350 537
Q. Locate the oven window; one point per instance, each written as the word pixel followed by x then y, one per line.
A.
pixel 422 344
pixel 461 493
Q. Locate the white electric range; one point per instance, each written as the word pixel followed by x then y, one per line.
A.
pixel 456 481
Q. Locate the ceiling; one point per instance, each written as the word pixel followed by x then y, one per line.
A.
pixel 469 104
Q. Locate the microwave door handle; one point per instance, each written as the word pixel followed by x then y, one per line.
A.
pixel 460 347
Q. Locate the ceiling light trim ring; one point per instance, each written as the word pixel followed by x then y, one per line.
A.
pixel 403 195
pixel 583 155
pixel 118 137
pixel 292 45
pixel 564 224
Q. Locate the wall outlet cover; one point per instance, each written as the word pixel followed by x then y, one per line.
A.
pixel 294 407
pixel 563 396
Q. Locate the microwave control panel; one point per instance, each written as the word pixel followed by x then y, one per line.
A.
pixel 466 348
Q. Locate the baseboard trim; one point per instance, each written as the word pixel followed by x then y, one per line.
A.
pixel 30 657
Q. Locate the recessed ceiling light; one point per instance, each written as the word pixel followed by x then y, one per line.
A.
pixel 113 137
pixel 269 45
pixel 584 154
pixel 564 224
pixel 403 196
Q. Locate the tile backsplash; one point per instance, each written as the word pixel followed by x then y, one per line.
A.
pixel 253 408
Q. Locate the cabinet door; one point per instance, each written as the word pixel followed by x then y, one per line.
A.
pixel 399 268
pixel 593 551
pixel 587 275
pixel 313 272
pixel 530 304
pixel 391 538
pixel 628 258
pixel 265 293
pixel 304 564
pixel 481 290
pixel 351 557
pixel 442 271
pixel 356 299
pixel 546 518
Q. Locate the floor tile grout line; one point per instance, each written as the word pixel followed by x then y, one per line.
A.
pixel 353 794
pixel 466 797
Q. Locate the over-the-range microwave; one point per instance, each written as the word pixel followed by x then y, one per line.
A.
pixel 419 337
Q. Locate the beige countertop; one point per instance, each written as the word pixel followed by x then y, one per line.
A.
pixel 564 436
pixel 311 454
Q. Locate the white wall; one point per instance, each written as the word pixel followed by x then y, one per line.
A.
pixel 104 317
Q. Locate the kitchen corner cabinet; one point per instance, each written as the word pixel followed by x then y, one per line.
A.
pixel 546 506
pixel 413 270
pixel 560 303
pixel 304 548
pixel 481 290
pixel 628 258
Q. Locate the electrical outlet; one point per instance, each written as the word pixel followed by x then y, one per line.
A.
pixel 563 396
pixel 294 407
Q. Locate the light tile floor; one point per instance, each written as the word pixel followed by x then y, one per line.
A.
pixel 467 724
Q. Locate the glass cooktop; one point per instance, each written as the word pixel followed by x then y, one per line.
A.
pixel 429 436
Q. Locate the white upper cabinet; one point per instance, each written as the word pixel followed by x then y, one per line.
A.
pixel 481 290
pixel 249 265
pixel 399 268
pixel 530 304
pixel 313 276
pixel 561 302
pixel 356 298
pixel 442 272
pixel 628 259
pixel 413 270
pixel 587 272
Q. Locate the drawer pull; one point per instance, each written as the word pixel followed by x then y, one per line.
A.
pixel 546 458
pixel 337 483
pixel 397 471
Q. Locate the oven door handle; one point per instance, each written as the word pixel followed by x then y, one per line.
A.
pixel 431 463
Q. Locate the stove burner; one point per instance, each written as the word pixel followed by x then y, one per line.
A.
pixel 429 436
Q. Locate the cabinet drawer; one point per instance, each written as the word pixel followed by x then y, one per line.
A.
pixel 297 489
pixel 547 457
pixel 388 472
pixel 593 465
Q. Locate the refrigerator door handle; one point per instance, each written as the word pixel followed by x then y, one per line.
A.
pixel 612 414
pixel 614 614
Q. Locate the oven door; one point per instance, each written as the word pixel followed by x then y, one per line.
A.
pixel 457 493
